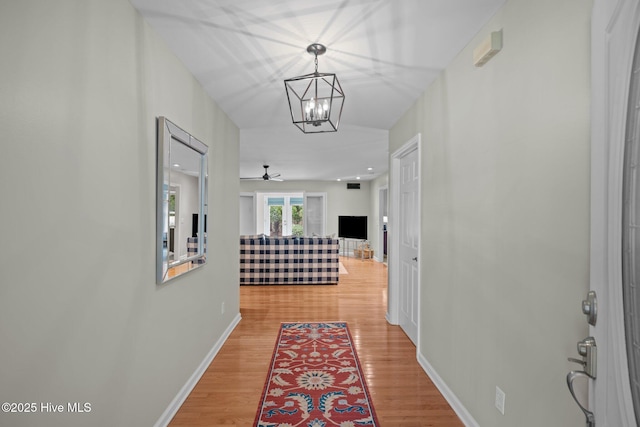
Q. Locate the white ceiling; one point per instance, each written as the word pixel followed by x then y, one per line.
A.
pixel 384 52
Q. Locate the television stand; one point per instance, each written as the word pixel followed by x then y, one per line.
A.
pixel 355 248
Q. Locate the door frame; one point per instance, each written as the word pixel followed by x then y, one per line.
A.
pixel 393 239
pixel 383 207
pixel 178 226
pixel 614 30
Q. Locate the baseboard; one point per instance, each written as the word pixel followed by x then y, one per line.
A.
pixel 448 394
pixel 387 316
pixel 182 395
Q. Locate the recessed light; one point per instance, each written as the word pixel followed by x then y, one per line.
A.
pixel 357 177
pixel 176 165
pixel 369 169
pixel 338 179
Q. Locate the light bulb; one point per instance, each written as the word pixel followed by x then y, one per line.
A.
pixel 307 109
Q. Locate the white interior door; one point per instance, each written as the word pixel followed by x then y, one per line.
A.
pixel 409 244
pixel 615 25
pixel 403 296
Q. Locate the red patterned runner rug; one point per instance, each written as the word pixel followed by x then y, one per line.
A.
pixel 315 380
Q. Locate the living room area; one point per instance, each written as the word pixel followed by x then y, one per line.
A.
pixel 314 208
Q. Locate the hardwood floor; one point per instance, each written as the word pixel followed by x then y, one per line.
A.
pixel 402 394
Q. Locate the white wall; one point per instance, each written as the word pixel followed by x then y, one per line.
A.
pixel 81 318
pixel 505 214
pixel 340 201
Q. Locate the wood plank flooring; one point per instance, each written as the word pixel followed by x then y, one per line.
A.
pixel 403 395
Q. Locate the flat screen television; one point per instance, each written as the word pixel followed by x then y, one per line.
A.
pixel 194 224
pixel 352 227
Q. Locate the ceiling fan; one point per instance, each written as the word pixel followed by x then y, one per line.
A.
pixel 266 176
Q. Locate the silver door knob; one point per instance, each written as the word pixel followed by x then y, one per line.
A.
pixel 415 258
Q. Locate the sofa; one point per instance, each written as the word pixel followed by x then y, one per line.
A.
pixel 192 249
pixel 268 260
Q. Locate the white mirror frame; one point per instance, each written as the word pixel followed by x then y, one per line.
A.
pixel 168 132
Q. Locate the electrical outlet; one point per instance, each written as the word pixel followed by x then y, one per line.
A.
pixel 222 308
pixel 500 396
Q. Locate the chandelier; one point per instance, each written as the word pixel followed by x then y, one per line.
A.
pixel 316 99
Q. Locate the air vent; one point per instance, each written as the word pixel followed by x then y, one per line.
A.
pixel 353 185
pixel 486 50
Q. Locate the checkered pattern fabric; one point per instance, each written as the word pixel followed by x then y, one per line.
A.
pixel 192 248
pixel 288 260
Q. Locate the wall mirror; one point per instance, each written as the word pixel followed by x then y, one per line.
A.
pixel 181 211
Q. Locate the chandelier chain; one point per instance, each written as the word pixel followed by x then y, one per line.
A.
pixel 316 62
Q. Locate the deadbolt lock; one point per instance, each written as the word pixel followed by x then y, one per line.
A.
pixel 590 308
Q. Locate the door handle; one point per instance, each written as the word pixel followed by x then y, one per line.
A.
pixel 415 258
pixel 571 376
pixel 589 351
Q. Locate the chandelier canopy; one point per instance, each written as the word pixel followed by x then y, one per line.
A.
pixel 316 99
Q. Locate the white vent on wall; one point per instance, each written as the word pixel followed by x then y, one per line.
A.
pixel 486 50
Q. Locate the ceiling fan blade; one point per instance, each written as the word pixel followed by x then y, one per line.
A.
pixel 266 176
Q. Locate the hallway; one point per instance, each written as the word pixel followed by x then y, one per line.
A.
pixel 403 395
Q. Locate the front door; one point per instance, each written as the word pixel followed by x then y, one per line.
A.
pixel 615 208
pixel 409 241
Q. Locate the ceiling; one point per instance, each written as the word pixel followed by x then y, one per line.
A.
pixel 384 53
